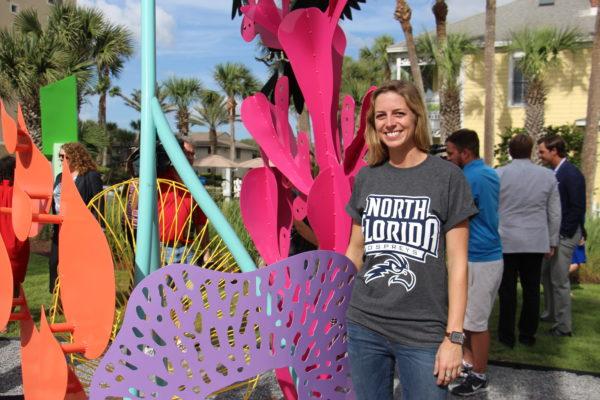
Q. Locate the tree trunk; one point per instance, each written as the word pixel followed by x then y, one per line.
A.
pixel 440 12
pixel 403 14
pixel 185 122
pixel 180 120
pixel 102 124
pixel 449 113
pixel 535 100
pixel 490 69
pixel 212 137
pixel 231 105
pixel 590 141
pixel 304 121
pixel 32 115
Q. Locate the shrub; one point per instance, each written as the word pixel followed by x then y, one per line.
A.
pixel 573 136
pixel 590 273
pixel 232 213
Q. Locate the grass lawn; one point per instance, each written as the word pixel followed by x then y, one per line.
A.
pixel 36 291
pixel 579 352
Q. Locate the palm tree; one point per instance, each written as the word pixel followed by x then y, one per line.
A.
pixel 183 92
pixel 377 56
pixel 236 81
pixel 540 49
pixel 488 57
pixel 134 100
pixel 32 56
pixel 212 112
pixel 448 60
pixel 113 45
pixel 590 141
pixel 403 14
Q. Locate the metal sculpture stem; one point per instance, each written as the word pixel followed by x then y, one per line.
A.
pixel 206 203
pixel 147 255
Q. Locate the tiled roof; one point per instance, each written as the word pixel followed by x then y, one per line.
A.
pixel 223 140
pixel 519 14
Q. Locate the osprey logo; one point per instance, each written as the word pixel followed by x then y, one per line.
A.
pixel 396 267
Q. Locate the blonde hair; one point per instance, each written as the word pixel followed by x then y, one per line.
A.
pixel 79 158
pixel 378 152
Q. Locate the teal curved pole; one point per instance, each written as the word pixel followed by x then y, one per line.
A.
pixel 147 254
pixel 187 174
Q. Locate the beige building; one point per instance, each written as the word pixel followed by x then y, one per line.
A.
pixel 243 151
pixel 10 8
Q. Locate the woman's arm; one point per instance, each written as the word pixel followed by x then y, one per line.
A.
pixel 449 356
pixel 356 247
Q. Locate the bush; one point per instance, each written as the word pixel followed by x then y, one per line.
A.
pixel 232 213
pixel 573 136
pixel 590 273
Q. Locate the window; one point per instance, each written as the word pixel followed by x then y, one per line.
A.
pixel 209 150
pixel 238 153
pixel 517 84
pixel 14 8
pixel 546 2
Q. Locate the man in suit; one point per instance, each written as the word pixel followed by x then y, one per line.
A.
pixel 529 224
pixel 555 270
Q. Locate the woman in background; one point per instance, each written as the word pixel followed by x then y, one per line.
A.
pixel 84 172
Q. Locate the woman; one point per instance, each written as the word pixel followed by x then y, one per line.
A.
pixel 84 172
pixel 410 213
pixel 18 252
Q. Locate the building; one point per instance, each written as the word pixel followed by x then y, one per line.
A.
pixel 201 141
pixel 568 85
pixel 10 8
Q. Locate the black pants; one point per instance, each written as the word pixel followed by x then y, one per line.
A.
pixel 527 267
pixel 53 259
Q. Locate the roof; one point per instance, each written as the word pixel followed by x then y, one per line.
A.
pixel 223 140
pixel 519 14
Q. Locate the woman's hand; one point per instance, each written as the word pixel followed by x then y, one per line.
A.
pixel 448 362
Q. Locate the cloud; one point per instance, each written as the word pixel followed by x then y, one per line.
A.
pixel 212 5
pixel 129 15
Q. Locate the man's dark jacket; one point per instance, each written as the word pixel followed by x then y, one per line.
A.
pixel 571 186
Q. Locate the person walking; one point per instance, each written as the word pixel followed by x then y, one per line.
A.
pixel 485 258
pixel 409 239
pixel 555 270
pixel 529 225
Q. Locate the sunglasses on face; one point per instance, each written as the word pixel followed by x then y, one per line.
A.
pixel 62 157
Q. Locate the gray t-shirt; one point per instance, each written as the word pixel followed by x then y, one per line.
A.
pixel 401 291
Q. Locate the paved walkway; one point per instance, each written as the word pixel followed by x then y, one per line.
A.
pixel 505 383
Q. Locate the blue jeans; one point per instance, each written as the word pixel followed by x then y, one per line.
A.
pixel 372 360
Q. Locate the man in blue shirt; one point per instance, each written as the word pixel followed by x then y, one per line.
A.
pixel 485 258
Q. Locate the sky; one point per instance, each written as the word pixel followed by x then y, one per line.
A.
pixel 195 35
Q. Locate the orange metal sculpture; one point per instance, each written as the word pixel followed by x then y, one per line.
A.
pixel 86 273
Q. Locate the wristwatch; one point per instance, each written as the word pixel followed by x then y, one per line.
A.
pixel 456 337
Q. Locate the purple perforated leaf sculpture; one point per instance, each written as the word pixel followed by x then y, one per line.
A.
pixel 189 332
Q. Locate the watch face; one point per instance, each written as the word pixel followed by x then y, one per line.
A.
pixel 457 337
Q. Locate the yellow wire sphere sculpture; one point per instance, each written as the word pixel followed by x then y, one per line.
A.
pixel 116 210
